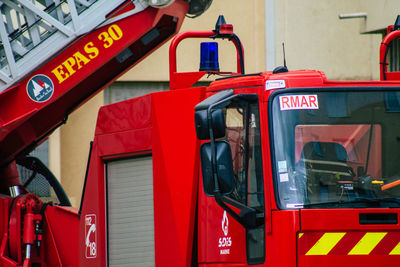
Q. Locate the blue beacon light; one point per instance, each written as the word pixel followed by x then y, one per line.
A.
pixel 209 56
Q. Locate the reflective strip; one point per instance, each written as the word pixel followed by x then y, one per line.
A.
pixel 396 250
pixel 367 243
pixel 301 234
pixel 325 244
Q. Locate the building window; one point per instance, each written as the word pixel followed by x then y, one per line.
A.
pixel 39 184
pixel 120 91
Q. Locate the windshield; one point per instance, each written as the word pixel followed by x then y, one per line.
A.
pixel 337 149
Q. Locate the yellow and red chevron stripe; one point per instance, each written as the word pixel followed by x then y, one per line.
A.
pixel 349 243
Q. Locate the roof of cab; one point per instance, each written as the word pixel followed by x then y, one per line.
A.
pixel 300 78
pixel 292 79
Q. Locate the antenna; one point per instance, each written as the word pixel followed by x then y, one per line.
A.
pixel 284 55
pixel 283 68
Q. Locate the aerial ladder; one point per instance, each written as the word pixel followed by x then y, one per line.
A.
pixel 55 54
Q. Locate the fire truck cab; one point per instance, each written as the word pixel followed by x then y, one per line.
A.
pixel 307 166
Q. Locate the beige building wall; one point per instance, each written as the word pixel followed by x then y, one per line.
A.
pixel 380 13
pixel 314 38
pixel 72 141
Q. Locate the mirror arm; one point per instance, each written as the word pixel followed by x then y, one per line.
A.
pixel 246 217
pixel 213 151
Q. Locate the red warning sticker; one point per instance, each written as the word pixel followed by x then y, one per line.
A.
pixel 291 102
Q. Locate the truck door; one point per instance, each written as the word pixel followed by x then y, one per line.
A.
pixel 336 155
pixel 222 238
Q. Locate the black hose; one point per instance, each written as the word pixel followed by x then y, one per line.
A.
pixel 38 166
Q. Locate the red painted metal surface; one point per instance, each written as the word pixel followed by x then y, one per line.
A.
pixel 4 249
pixel 352 245
pixel 175 171
pixel 61 236
pixel 9 176
pixel 346 240
pixel 267 168
pixel 116 120
pixel 281 242
pixel 210 231
pixel 93 203
pixel 350 242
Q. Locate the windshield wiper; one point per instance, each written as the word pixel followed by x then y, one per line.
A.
pixel 369 201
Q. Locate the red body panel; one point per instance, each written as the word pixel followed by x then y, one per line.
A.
pixel 114 138
pixel 175 172
pixel 93 203
pixel 281 243
pixel 154 130
pixel 210 228
pixel 353 238
pixel 60 221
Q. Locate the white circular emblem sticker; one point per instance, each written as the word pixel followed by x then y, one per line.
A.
pixel 40 88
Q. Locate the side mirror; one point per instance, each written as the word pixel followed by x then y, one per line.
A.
pixel 215 104
pixel 224 168
pixel 202 126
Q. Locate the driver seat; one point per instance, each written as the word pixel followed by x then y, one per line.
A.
pixel 326 170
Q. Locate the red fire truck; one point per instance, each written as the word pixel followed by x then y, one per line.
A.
pixel 281 168
pixel 288 169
